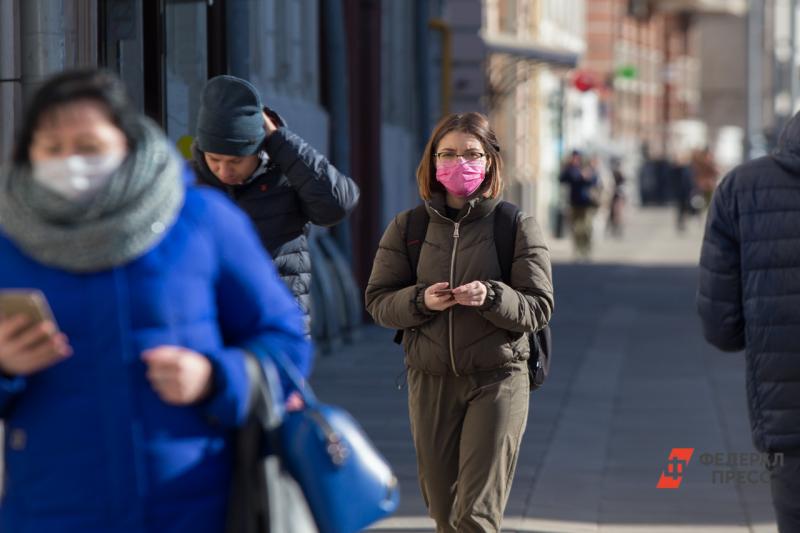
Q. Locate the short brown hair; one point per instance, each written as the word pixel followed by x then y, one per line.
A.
pixel 471 123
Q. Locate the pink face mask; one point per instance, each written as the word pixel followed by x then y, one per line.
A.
pixel 462 178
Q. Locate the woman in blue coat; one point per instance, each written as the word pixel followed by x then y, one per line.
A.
pixel 119 417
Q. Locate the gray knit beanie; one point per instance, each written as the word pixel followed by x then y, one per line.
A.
pixel 230 121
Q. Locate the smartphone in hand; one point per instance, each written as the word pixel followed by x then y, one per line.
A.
pixel 28 302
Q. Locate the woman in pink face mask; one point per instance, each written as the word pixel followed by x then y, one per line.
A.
pixel 437 278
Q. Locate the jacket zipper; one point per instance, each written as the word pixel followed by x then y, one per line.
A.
pixel 450 311
pixel 456 226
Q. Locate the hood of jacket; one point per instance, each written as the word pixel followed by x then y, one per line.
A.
pixel 787 154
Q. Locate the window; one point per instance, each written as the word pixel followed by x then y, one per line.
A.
pixel 186 65
pixel 121 45
pixel 274 44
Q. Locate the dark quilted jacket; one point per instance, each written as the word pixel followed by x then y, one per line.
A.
pixel 299 187
pixel 749 294
pixel 462 340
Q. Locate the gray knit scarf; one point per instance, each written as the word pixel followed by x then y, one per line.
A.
pixel 121 223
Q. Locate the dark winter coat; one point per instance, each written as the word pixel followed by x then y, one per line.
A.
pixel 298 188
pixel 749 294
pixel 581 188
pixel 462 340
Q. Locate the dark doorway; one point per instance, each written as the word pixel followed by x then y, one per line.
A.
pixel 164 50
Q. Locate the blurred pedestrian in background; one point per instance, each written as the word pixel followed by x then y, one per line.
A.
pixel 119 414
pixel 749 299
pixel 705 172
pixel 464 329
pixel 684 189
pixel 583 181
pixel 616 209
pixel 283 184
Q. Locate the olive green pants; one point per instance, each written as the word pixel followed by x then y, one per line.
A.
pixel 582 221
pixel 467 432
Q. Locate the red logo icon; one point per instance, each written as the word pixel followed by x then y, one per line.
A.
pixel 676 464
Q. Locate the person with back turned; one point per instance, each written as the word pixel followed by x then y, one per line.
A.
pixel 749 299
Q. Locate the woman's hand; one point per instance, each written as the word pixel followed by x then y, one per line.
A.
pixel 472 294
pixel 26 349
pixel 295 402
pixel 178 375
pixel 439 297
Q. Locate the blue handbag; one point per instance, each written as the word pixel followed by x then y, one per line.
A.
pixel 264 497
pixel 348 484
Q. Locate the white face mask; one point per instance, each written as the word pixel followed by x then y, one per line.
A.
pixel 77 178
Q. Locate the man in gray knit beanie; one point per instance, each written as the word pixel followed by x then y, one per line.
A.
pixel 231 119
pixel 245 149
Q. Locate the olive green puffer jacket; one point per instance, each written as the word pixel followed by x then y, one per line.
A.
pixel 462 340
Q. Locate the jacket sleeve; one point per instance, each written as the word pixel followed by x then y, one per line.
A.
pixel 719 294
pixel 327 195
pixel 393 299
pixel 526 304
pixel 254 308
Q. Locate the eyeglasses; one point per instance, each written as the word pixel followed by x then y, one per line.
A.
pixel 452 157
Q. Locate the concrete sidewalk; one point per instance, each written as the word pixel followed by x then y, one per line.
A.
pixel 632 378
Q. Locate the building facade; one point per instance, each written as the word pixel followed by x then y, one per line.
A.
pixel 534 46
pixel 645 57
pixel 510 60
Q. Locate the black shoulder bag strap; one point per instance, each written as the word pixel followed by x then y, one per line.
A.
pixel 416 228
pixel 505 236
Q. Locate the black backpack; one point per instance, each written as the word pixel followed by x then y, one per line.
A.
pixel 506 216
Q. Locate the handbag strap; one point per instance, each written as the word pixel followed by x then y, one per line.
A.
pixel 266 394
pixel 289 369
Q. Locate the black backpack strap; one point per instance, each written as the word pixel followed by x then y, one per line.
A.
pixel 505 236
pixel 416 228
pixel 506 218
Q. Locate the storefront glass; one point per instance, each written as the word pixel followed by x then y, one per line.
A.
pixel 186 65
pixel 122 49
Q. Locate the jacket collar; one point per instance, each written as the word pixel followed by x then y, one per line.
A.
pixel 207 177
pixel 477 207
